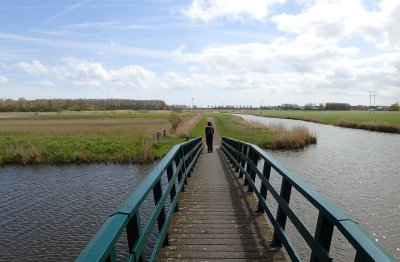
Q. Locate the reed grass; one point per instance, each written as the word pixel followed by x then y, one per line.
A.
pixel 372 126
pixel 295 138
pixel 33 149
pixel 144 150
pixel 266 136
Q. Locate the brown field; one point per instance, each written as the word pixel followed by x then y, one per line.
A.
pixel 119 127
pixel 82 113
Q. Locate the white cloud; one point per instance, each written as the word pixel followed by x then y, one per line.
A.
pixel 305 53
pixel 133 76
pixel 3 80
pixel 91 74
pixel 329 19
pixel 46 83
pixel 344 19
pixel 35 68
pixel 306 65
pixel 85 73
pixel 208 10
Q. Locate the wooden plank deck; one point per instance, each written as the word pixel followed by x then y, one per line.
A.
pixel 216 219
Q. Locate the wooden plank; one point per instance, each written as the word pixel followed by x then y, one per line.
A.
pixel 217 220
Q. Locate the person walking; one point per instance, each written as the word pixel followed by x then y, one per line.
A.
pixel 209 130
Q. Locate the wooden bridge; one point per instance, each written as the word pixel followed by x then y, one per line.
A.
pixel 207 207
pixel 217 219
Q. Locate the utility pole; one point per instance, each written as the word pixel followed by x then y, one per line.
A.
pixel 193 98
pixel 372 95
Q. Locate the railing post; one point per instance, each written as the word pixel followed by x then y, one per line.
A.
pixel 232 152
pixel 180 171
pixel 323 234
pixel 185 163
pixel 191 147
pixel 238 157
pixel 263 190
pixel 243 160
pixel 286 189
pixel 254 160
pixel 248 166
pixel 133 234
pixel 170 173
pixel 157 193
pixel 112 257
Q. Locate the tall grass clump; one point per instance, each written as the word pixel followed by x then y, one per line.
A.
pixel 372 126
pixel 295 138
pixel 144 150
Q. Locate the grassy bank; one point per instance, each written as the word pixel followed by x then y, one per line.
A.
pixel 50 149
pixel 271 137
pixel 382 121
pixel 122 137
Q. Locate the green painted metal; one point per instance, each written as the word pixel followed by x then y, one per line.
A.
pixel 175 166
pixel 245 156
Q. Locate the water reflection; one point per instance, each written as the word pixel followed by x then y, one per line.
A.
pixel 358 170
pixel 50 213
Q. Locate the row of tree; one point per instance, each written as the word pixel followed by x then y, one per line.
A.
pixel 52 105
pixel 334 106
pixel 310 106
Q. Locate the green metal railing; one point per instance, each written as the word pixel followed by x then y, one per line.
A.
pixel 176 165
pixel 245 156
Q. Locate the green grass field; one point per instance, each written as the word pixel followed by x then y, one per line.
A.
pixel 380 121
pixel 332 117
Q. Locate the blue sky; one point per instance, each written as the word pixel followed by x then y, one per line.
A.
pixel 219 52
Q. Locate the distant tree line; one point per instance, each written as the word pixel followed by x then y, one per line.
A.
pixel 337 106
pixel 52 105
pixel 312 106
pixel 394 107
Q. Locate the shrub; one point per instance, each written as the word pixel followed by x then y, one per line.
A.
pixel 175 120
pixel 394 107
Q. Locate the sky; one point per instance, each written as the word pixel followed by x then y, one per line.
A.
pixel 202 52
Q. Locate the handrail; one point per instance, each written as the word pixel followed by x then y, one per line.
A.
pixel 244 156
pixel 176 165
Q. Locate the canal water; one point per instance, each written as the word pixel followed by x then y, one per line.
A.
pixel 357 170
pixel 50 213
